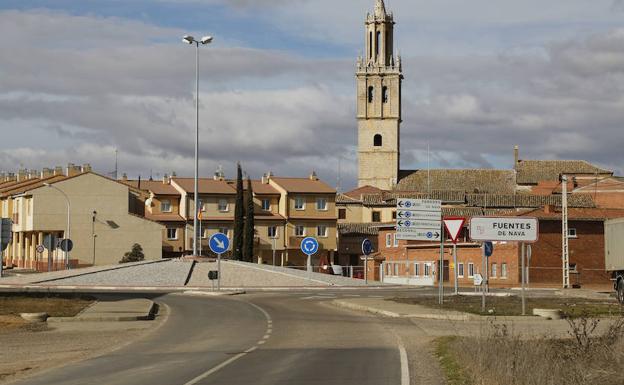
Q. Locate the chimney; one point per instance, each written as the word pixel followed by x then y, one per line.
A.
pixel 124 177
pixel 58 170
pixel 313 176
pixel 267 177
pixel 46 173
pixel 516 155
pixel 549 209
pixel 86 167
pixel 32 174
pixel 219 174
pixel 11 177
pixel 21 175
pixel 72 169
pixel 165 179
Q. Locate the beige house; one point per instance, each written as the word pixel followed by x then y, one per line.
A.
pixel 102 226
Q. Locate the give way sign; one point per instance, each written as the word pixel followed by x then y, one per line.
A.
pixel 453 227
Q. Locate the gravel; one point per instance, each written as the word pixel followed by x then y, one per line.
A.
pixel 169 273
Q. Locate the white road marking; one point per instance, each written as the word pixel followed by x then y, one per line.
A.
pixel 319 297
pixel 405 377
pixel 240 355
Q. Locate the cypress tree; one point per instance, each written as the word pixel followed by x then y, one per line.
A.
pixel 248 247
pixel 239 217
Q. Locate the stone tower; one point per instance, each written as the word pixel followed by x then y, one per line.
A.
pixel 379 78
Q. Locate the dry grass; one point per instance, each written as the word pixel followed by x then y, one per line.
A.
pixel 512 306
pixel 56 305
pixel 586 358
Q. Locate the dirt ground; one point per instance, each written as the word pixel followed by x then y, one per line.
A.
pixel 31 348
pixel 512 306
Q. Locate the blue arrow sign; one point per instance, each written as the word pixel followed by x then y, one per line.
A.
pixel 309 246
pixel 219 243
pixel 367 247
pixel 489 248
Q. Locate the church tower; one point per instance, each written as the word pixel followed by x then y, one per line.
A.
pixel 379 78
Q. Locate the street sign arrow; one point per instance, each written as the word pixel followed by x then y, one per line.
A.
pixel 478 279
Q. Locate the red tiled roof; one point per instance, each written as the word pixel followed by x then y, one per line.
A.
pixel 364 190
pixel 29 184
pixel 206 186
pixel 574 214
pixel 155 186
pixel 165 217
pixel 304 185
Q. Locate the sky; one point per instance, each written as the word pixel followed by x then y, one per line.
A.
pixel 80 80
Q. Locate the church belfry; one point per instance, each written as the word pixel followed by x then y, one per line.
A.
pixel 379 78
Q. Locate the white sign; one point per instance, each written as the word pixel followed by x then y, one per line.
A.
pixel 419 205
pixel 424 215
pixel 418 224
pixel 478 279
pixel 419 234
pixel 512 229
pixel 419 219
pixel 454 226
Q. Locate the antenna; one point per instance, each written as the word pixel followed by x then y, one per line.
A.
pixel 428 173
pixel 116 166
pixel 339 172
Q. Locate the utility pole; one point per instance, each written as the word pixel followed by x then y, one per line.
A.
pixel 565 255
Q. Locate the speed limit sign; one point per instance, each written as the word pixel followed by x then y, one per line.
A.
pixel 40 249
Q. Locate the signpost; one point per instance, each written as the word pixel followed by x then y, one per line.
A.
pixel 478 279
pixel 421 220
pixel 219 243
pixel 508 229
pixel 367 249
pixel 49 242
pixel 309 246
pixel 5 238
pixel 453 228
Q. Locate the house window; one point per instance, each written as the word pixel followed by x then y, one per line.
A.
pixel 321 204
pixel 376 217
pixel 299 203
pixel 494 270
pixel 272 231
pixel 377 140
pixel 396 269
pixel 503 270
pixel 417 269
pixel 427 270
pixel 223 205
pixel 224 230
pixel 266 204
pixel 384 94
pixel 371 94
pixel 388 240
pixel 165 206
pixel 342 213
pixel 460 270
pixel 572 233
pixel 321 231
pixel 300 231
pixel 396 240
pixel 172 234
pixel 471 270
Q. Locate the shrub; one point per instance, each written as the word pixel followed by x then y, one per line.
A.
pixel 135 255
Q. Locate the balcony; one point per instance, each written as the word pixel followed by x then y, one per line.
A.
pixel 15 219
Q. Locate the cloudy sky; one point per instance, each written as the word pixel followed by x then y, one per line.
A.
pixel 81 79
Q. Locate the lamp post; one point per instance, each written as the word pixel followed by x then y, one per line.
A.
pixel 68 231
pixel 191 40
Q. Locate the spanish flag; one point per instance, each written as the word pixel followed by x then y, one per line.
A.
pixel 199 214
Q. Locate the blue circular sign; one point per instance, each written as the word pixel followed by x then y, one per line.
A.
pixel 309 245
pixel 489 249
pixel 219 243
pixel 367 247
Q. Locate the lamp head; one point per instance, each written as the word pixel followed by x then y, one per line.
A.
pixel 206 40
pixel 188 39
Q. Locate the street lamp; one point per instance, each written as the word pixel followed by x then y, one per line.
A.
pixel 68 231
pixel 191 40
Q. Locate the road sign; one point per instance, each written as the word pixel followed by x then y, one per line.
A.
pixel 489 248
pixel 49 242
pixel 367 247
pixel 219 243
pixel 453 227
pixel 40 249
pixel 478 279
pixel 213 275
pixel 511 229
pixel 309 246
pixel 419 219
pixel 66 245
pixel 6 232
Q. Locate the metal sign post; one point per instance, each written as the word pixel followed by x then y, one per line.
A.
pixel 453 227
pixel 219 243
pixel 309 246
pixel 483 262
pixel 441 268
pixel 522 253
pixel 367 249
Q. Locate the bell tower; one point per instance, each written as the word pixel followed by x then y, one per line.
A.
pixel 379 77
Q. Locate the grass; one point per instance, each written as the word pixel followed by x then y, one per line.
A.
pixel 512 306
pixel 448 362
pixel 56 305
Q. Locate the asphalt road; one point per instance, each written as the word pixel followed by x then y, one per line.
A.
pixel 261 338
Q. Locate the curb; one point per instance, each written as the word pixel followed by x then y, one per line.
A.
pixel 137 316
pixel 222 293
pixel 112 268
pixel 370 309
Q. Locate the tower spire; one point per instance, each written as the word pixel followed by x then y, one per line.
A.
pixel 380 9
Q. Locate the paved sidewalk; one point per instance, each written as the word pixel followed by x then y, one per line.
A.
pixel 122 310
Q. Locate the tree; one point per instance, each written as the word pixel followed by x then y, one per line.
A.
pixel 248 247
pixel 135 255
pixel 239 217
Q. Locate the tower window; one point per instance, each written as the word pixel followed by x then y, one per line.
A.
pixel 384 94
pixel 377 42
pixel 371 94
pixel 377 140
pixel 370 45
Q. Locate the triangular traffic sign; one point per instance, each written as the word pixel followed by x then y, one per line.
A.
pixel 453 227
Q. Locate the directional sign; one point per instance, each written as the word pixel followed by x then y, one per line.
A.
pixel 453 227
pixel 309 246
pixel 478 279
pixel 489 248
pixel 367 247
pixel 511 229
pixel 419 224
pixel 419 219
pixel 219 243
pixel 433 235
pixel 66 245
pixel 419 205
pixel 429 215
